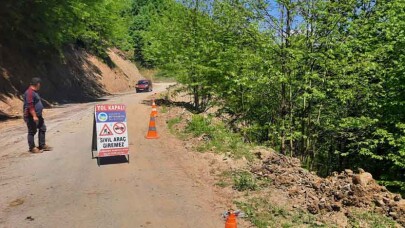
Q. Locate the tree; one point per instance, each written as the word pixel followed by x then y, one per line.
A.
pixel 54 23
pixel 320 80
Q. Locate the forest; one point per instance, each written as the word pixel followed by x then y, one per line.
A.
pixel 321 80
pixel 48 26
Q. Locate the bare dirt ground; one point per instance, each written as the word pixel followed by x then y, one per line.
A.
pixel 77 77
pixel 162 186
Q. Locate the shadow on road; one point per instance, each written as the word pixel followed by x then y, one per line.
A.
pixel 113 160
pixel 160 102
pixel 5 116
pixel 62 104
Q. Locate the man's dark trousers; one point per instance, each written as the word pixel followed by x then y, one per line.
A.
pixel 32 130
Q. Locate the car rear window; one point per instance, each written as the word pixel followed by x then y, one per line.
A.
pixel 143 82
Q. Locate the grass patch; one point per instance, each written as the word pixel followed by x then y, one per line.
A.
pixel 200 125
pixel 243 181
pixel 164 109
pixel 217 137
pixel 172 123
pixel 370 219
pixel 263 214
pixel 225 179
pixel 222 184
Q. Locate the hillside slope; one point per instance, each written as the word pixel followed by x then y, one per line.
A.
pixel 73 76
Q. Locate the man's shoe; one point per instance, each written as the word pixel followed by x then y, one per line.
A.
pixel 35 150
pixel 46 148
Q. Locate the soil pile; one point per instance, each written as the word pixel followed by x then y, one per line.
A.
pixel 338 193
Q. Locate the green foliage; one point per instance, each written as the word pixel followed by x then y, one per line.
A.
pixel 54 23
pixel 213 136
pixel 243 181
pixel 218 138
pixel 264 214
pixel 320 80
pixel 177 45
pixel 172 122
pixel 164 111
pixel 142 13
pixel 370 219
pixel 199 125
pixel 395 186
pixel 225 179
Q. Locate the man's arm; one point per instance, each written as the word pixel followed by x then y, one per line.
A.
pixel 31 106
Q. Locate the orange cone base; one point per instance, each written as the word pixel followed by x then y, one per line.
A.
pixel 151 137
pixel 152 132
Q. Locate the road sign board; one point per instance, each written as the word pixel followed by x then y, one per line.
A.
pixel 111 130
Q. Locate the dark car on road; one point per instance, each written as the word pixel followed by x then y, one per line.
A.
pixel 144 85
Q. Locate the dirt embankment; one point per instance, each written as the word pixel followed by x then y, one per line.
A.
pixel 338 193
pixel 72 76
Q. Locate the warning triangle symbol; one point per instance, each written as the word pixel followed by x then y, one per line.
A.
pixel 105 131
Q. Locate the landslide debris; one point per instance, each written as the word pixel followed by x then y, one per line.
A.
pixel 338 193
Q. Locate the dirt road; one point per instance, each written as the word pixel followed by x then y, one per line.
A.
pixel 66 188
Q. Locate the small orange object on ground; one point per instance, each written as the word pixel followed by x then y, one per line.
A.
pixel 231 221
pixel 152 133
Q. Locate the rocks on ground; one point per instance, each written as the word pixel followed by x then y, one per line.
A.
pixel 337 193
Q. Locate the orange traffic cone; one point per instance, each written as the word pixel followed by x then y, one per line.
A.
pixel 152 133
pixel 231 221
pixel 154 109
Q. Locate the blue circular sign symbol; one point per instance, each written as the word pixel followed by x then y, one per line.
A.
pixel 102 116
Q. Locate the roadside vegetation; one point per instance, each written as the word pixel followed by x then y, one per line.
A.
pixel 319 80
pixel 276 200
pixel 264 214
pixel 217 137
pixel 47 26
pixel 370 219
pixel 211 136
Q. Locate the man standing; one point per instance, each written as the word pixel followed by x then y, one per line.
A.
pixel 33 117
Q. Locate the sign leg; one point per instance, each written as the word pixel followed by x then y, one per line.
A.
pixel 94 139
